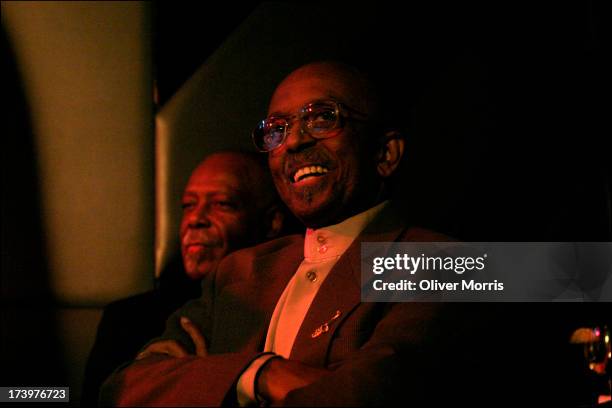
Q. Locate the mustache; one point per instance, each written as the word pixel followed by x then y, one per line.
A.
pixel 311 156
pixel 197 237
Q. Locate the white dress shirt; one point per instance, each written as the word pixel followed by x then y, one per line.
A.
pixel 322 249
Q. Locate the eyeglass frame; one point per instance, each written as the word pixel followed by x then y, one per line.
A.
pixel 339 107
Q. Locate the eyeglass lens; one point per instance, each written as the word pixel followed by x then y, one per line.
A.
pixel 316 119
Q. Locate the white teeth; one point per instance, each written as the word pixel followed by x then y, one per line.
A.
pixel 304 171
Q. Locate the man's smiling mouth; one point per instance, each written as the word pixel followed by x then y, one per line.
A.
pixel 307 172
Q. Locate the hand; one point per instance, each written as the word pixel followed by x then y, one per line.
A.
pixel 173 348
pixel 280 376
pixel 196 336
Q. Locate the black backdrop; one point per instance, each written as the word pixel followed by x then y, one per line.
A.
pixel 506 104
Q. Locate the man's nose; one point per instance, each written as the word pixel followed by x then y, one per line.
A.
pixel 199 218
pixel 297 139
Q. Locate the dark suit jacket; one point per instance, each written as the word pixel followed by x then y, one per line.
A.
pixel 377 353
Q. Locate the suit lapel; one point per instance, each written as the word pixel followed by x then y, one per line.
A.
pixel 275 272
pixel 272 272
pixel 341 291
pixel 244 308
pixel 338 292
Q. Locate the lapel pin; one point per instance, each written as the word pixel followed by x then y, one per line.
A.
pixel 324 328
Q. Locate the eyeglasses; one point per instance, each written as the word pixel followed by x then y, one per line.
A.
pixel 318 119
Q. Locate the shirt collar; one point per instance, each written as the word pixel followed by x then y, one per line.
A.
pixel 331 242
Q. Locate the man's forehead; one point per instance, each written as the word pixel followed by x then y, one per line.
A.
pixel 222 182
pixel 317 83
pixel 220 173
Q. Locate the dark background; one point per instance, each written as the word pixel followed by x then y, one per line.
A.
pixel 506 105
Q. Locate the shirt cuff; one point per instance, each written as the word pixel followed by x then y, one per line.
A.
pixel 245 388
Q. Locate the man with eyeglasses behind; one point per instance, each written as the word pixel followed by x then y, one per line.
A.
pixel 282 323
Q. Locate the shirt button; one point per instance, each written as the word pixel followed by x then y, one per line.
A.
pixel 321 239
pixel 312 276
pixel 323 249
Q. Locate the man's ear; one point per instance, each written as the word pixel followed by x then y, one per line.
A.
pixel 274 221
pixel 391 153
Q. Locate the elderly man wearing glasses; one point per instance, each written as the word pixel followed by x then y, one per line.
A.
pixel 282 322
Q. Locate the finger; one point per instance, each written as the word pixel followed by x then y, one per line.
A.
pixel 173 348
pixel 196 336
pixel 143 354
pixel 169 347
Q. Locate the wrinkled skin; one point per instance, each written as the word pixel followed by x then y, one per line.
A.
pixel 223 210
pixel 352 183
